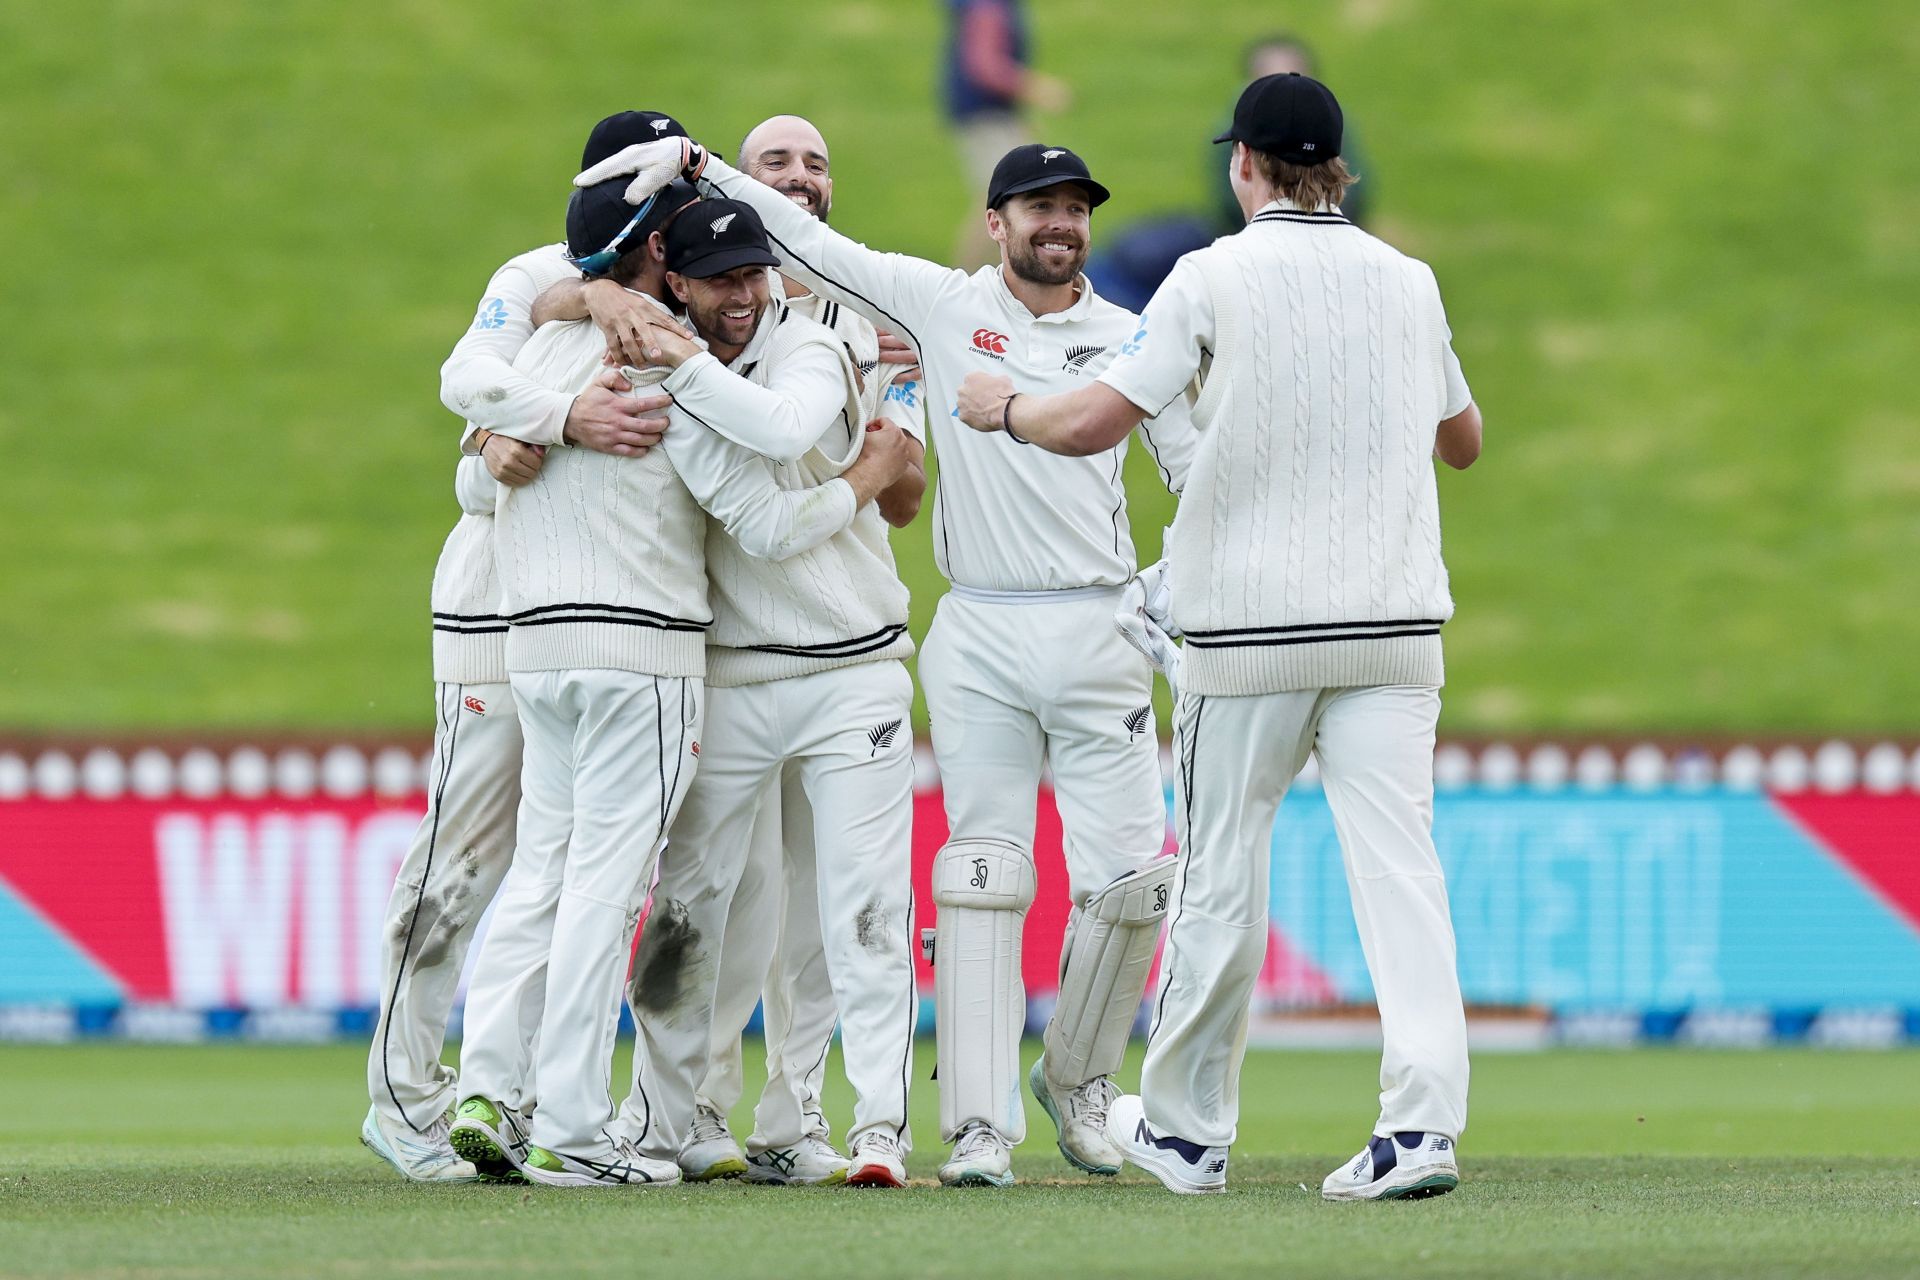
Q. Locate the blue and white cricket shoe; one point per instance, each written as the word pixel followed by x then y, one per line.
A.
pixel 420 1157
pixel 1186 1168
pixel 1407 1166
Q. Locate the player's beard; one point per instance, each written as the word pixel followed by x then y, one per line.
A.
pixel 822 202
pixel 1024 260
pixel 710 324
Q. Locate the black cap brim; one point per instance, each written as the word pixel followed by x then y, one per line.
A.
pixel 1226 137
pixel 724 260
pixel 1097 194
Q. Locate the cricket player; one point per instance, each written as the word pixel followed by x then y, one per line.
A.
pixel 1022 664
pixel 465 841
pixel 603 573
pixel 771 951
pixel 1307 577
pixel 806 670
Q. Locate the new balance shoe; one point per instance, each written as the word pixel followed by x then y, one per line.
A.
pixel 420 1157
pixel 621 1166
pixel 981 1158
pixel 710 1152
pixel 811 1163
pixel 1407 1166
pixel 492 1136
pixel 874 1161
pixel 1080 1117
pixel 1187 1168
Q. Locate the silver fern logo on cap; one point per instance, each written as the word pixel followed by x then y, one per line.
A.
pixel 721 223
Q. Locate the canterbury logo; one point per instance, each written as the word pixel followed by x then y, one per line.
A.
pixel 474 705
pixel 1049 156
pixel 1077 357
pixel 721 223
pixel 1137 721
pixel 881 736
pixel 994 344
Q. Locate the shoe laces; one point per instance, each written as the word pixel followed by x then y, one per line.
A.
pixel 977 1139
pixel 873 1143
pixel 1091 1100
pixel 708 1126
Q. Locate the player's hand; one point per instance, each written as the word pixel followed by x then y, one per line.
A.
pixel 607 418
pixel 622 315
pixel 983 396
pixel 895 351
pixel 884 458
pixel 653 164
pixel 511 462
pixel 668 344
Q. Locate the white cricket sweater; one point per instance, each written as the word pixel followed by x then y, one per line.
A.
pixel 602 559
pixel 469 630
pixel 1306 551
pixel 841 603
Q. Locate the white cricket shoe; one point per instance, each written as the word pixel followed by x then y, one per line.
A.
pixel 875 1161
pixel 811 1163
pixel 1080 1116
pixel 420 1157
pixel 1187 1168
pixel 710 1152
pixel 1407 1166
pixel 981 1158
pixel 622 1166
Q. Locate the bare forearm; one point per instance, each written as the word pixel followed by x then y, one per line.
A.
pixel 563 300
pixel 1457 442
pixel 1075 423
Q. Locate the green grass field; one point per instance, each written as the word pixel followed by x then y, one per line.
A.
pixel 240 1161
pixel 1677 243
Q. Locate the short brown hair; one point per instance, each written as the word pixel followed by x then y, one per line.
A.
pixel 1309 187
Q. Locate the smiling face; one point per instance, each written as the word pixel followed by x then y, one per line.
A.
pixel 1044 234
pixel 725 308
pixel 788 154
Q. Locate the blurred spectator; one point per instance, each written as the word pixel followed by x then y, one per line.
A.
pixel 988 82
pixel 1133 263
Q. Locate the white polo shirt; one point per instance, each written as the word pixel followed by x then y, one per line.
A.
pixel 1008 517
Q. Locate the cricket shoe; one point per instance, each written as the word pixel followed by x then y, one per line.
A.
pixel 622 1166
pixel 1186 1168
pixel 812 1163
pixel 493 1136
pixel 711 1153
pixel 1080 1116
pixel 981 1158
pixel 875 1161
pixel 420 1157
pixel 1407 1166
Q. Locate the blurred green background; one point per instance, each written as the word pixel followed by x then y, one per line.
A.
pixel 1680 246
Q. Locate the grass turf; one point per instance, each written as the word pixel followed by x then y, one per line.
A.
pixel 239 1160
pixel 1675 240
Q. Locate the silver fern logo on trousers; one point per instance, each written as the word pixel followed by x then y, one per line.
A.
pixel 881 736
pixel 1137 721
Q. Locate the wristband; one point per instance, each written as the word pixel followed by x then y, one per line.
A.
pixel 693 162
pixel 481 436
pixel 1006 420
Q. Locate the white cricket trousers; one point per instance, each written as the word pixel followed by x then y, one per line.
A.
pixel 609 754
pixel 847 734
pixel 1044 678
pixel 1235 758
pixel 458 856
pixel 771 952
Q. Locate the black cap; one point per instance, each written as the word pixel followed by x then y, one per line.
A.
pixel 618 132
pixel 1037 165
pixel 1291 116
pixel 714 236
pixel 601 225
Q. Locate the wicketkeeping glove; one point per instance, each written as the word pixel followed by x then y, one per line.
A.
pixel 653 164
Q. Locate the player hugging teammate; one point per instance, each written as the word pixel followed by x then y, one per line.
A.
pixel 675 571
